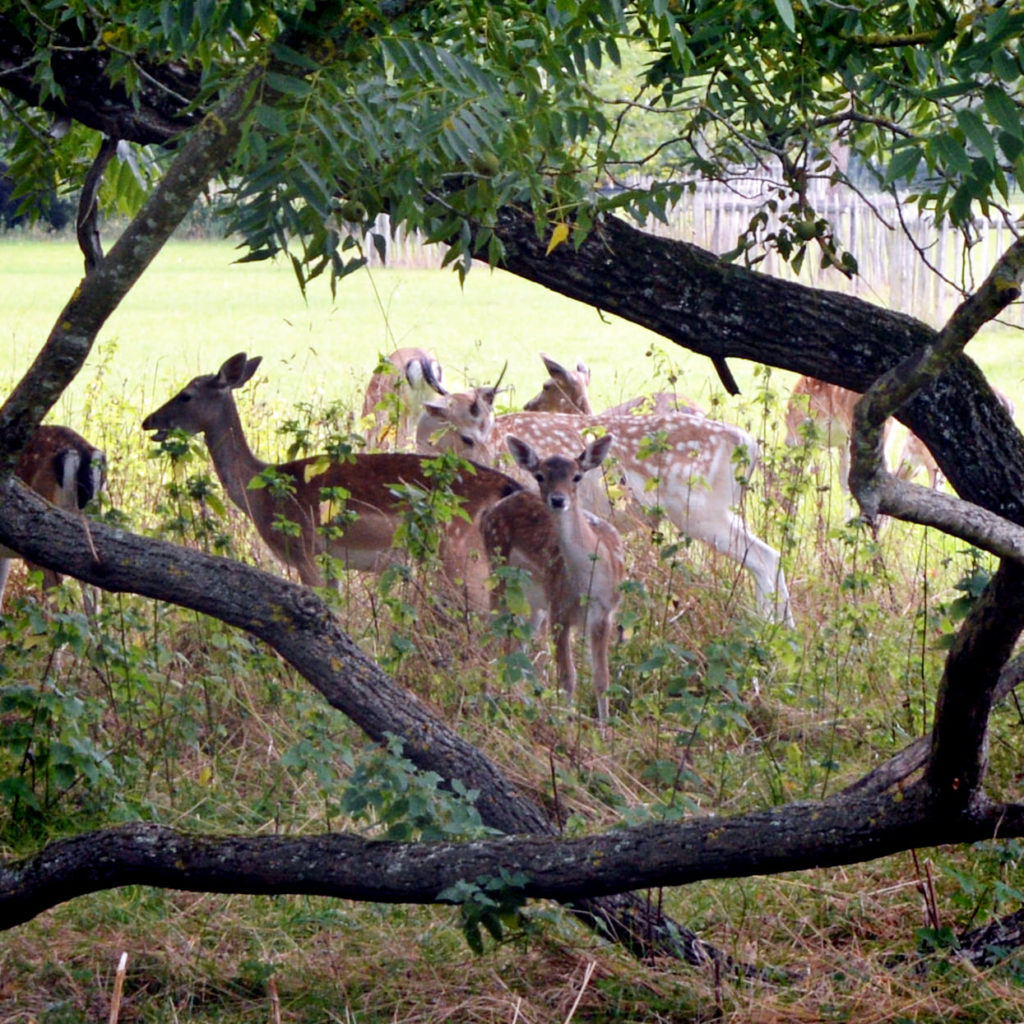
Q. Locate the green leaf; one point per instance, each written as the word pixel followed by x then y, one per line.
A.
pixel 977 134
pixel 785 9
pixel 1003 110
pixel 272 119
pixel 288 84
pixel 903 165
pixel 950 153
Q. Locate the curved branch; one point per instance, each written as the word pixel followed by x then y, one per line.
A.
pixel 87 224
pixel 804 835
pixel 296 623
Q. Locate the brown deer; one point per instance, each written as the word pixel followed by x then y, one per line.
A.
pixel 312 507
pixel 574 559
pixel 65 469
pixel 568 391
pixel 694 468
pixel 829 408
pixel 395 395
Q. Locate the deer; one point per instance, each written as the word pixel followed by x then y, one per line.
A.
pixel 567 391
pixel 830 408
pixel 693 468
pixel 346 509
pixel 397 392
pixel 69 472
pixel 573 559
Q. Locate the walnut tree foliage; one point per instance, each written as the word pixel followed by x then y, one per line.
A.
pixel 442 113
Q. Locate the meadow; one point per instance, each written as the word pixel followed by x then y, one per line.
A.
pixel 154 713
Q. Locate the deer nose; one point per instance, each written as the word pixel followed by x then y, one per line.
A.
pixel 558 501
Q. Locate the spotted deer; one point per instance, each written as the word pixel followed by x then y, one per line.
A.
pixel 693 468
pixel 568 391
pixel 395 396
pixel 65 469
pixel 573 559
pixel 312 507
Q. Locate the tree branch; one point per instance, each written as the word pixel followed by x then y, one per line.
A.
pixel 798 836
pixel 102 290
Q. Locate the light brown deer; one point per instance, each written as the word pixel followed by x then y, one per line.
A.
pixel 695 469
pixel 395 397
pixel 65 469
pixel 829 408
pixel 574 560
pixel 568 391
pixel 817 408
pixel 314 507
pixel 469 414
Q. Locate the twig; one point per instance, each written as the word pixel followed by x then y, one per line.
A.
pixel 275 1000
pixel 115 999
pixel 587 975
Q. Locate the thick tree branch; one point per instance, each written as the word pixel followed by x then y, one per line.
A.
pixel 722 310
pixel 959 752
pixel 798 836
pixel 158 114
pixel 872 485
pixel 296 623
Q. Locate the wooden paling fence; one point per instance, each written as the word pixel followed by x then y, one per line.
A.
pixel 912 267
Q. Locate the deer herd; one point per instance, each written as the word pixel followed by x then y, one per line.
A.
pixel 545 491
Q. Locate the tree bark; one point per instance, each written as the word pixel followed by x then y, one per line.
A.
pixel 687 295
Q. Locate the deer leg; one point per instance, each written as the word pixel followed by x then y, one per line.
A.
pixel 732 537
pixel 563 658
pixel 600 629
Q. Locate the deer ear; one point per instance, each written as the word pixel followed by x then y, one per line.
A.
pixel 583 370
pixel 595 452
pixel 437 409
pixel 237 370
pixel 555 369
pixel 432 374
pixel 524 455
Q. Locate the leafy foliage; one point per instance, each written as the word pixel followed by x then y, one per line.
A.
pixel 446 113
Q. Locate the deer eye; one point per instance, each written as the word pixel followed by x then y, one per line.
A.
pixel 474 409
pixel 184 397
pixel 539 477
pixel 468 441
pixel 577 477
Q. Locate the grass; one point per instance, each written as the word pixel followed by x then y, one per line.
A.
pixel 174 718
pixel 194 307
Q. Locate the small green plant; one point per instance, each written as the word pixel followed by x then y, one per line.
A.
pixel 390 795
pixel 491 902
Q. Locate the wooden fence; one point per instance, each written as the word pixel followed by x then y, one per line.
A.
pixel 914 268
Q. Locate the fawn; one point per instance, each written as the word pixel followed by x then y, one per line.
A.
pixel 573 558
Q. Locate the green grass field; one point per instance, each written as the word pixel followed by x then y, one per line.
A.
pixel 194 307
pixel 162 715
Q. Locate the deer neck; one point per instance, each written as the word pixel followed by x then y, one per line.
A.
pixel 575 537
pixel 233 459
